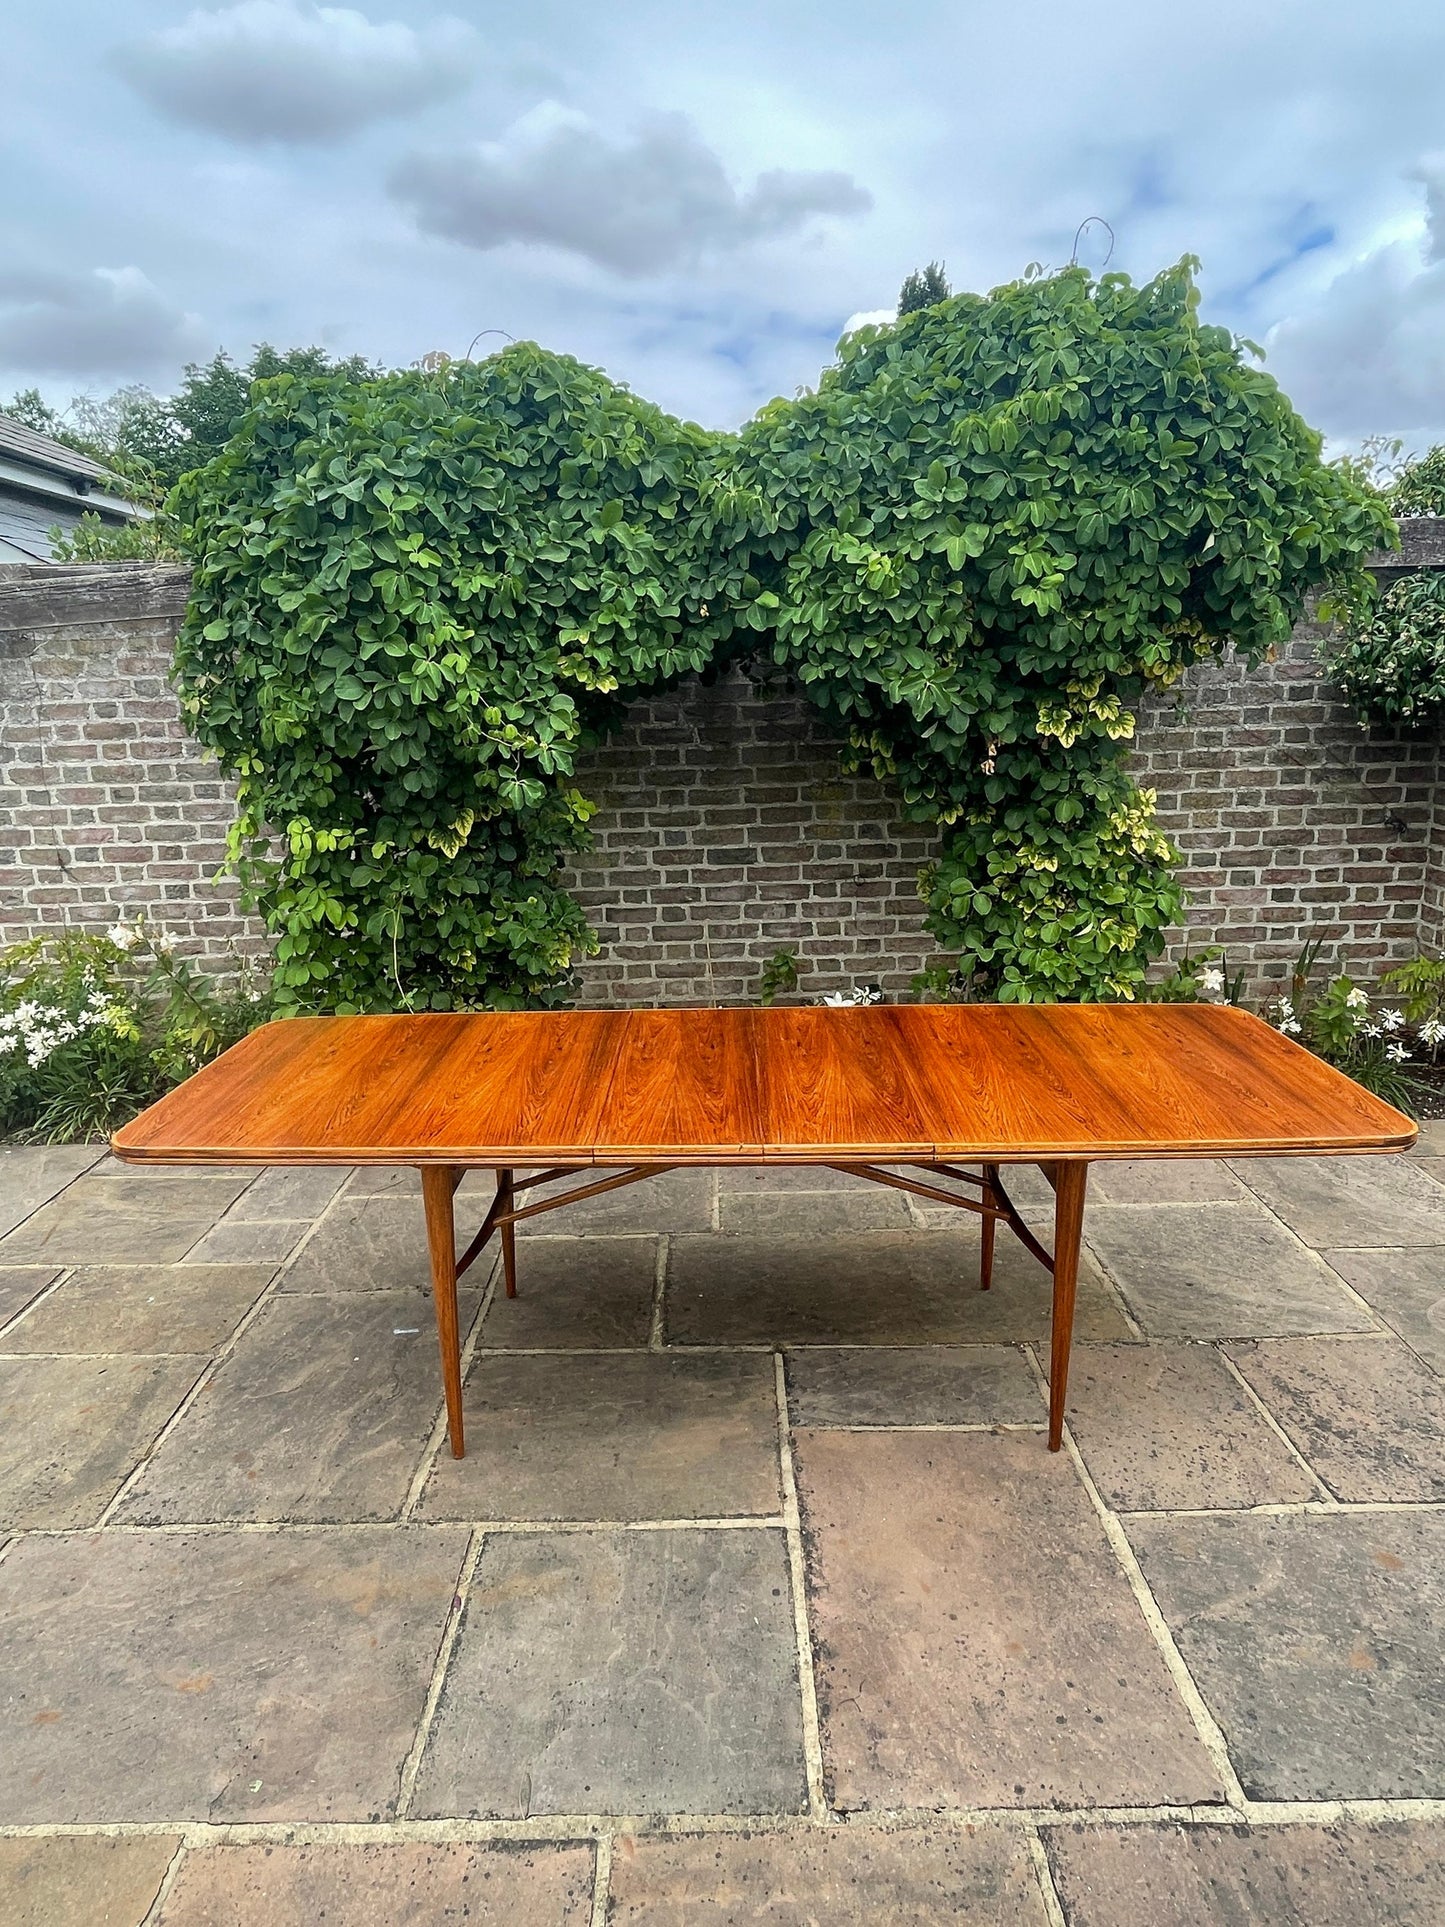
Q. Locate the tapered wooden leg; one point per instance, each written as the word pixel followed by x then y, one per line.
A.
pixel 505 1197
pixel 1069 1181
pixel 438 1182
pixel 990 1226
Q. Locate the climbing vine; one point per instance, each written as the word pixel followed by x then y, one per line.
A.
pixel 996 524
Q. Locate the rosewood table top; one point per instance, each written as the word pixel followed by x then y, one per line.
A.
pixel 1005 1083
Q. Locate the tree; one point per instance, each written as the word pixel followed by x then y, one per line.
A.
pixel 924 288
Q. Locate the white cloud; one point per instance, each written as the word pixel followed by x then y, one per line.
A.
pixel 657 201
pixel 1366 354
pixel 869 318
pixel 284 70
pixel 110 322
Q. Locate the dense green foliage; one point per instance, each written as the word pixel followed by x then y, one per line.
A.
pixel 997 524
pixel 149 441
pixel 1389 658
pixel 994 526
pixel 413 599
pixel 923 289
pixel 1420 487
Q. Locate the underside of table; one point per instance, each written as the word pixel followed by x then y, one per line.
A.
pixel 986 1198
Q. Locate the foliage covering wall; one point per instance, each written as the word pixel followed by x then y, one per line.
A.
pixel 993 526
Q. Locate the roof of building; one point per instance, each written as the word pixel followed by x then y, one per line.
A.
pixel 25 445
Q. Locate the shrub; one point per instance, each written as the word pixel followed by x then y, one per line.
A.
pixel 1419 489
pixel 93 1028
pixel 1390 659
pixel 997 523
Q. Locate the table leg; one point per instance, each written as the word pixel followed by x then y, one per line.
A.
pixel 506 1197
pixel 1069 1181
pixel 438 1182
pixel 990 1226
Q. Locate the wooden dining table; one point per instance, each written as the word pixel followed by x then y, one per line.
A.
pixel 934 1100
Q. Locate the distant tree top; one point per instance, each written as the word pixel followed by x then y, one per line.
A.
pixel 924 288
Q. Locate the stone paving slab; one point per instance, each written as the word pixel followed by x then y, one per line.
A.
pixel 32 1174
pixel 244 1241
pixel 100 1221
pixel 1218 1271
pixel 320 1414
pixel 575 1294
pixel 631 1435
pixel 1356 1201
pixel 1165 1181
pixel 1368 1416
pixel 141 1308
pixel 20 1285
pixel 621 1672
pixel 1276 1876
pixel 217 1675
pixel 1406 1289
pixel 373 1244
pixel 82 1881
pixel 72 1429
pixel 822 1214
pixel 913 1385
pixel 397 1885
pixel 293 1191
pixel 844 1877
pixel 872 1288
pixel 977 1642
pixel 1318 1642
pixel 1167 1425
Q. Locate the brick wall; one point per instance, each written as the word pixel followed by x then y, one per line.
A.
pixel 726 831
pixel 106 806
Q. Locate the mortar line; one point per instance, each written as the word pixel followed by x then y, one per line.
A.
pixel 1285 1509
pixel 217 1358
pixel 411 1766
pixel 168 1880
pixel 798 1580
pixel 439 1424
pixel 752 1522
pixel 1044 1874
pixel 1205 1724
pixel 601 1880
pixel 101 1152
pixel 17 1318
pixel 1112 1285
pixel 657 1315
pixel 1327 1497
pixel 715 1202
pixel 548 1828
pixel 921 1425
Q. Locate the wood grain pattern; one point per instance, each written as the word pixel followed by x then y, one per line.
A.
pixel 1002 1083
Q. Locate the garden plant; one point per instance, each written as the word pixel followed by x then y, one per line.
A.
pixel 995 526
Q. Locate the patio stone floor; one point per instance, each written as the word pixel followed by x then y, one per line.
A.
pixel 757 1597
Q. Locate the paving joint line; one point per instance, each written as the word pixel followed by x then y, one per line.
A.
pixel 1112 1284
pixel 568 1828
pixel 1044 1874
pixel 601 1880
pixel 1344 1284
pixel 656 1338
pixel 798 1585
pixel 1206 1726
pixel 1284 1509
pixel 735 1522
pixel 1327 1496
pixel 18 1318
pixel 411 1766
pixel 168 1880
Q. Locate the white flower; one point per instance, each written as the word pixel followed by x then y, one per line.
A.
pixel 1369 1030
pixel 1356 1000
pixel 163 943
pixel 1391 1019
pixel 1290 1027
pixel 1432 1031
pixel 1211 980
pixel 1396 1053
pixel 125 936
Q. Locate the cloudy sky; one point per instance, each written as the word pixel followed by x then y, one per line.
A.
pixel 699 197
